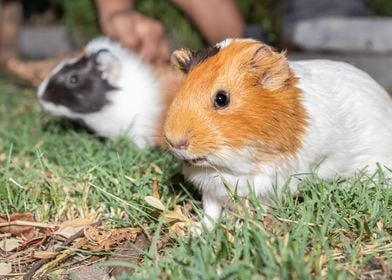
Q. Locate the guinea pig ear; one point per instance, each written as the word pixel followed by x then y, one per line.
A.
pixel 271 67
pixel 182 60
pixel 109 65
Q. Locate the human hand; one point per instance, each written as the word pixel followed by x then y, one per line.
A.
pixel 141 34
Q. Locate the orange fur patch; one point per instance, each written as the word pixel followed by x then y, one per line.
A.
pixel 265 114
pixel 170 81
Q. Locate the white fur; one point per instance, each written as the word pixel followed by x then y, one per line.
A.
pixel 134 109
pixel 350 128
pixel 223 44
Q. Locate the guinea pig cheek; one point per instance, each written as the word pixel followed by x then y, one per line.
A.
pixel 201 140
pixel 56 110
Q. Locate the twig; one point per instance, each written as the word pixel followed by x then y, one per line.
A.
pixel 37 265
pixel 26 223
pixel 20 253
pixel 14 274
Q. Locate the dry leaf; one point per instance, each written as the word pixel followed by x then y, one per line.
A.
pixel 9 244
pixel 69 228
pixel 26 231
pixel 172 216
pixel 380 225
pixel 157 169
pixel 44 255
pixel 5 269
pixel 155 192
pixel 100 238
pixel 186 228
pixel 175 206
pixel 154 202
pixel 267 223
pixel 178 229
pixel 230 237
pixel 68 231
pixel 80 222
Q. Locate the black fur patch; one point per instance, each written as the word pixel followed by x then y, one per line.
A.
pixel 87 95
pixel 197 57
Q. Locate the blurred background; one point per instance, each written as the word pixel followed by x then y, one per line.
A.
pixel 357 31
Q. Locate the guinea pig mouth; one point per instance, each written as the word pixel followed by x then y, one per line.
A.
pixel 197 161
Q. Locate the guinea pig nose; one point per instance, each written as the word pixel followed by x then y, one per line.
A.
pixel 180 145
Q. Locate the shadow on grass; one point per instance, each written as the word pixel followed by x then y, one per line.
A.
pixel 63 126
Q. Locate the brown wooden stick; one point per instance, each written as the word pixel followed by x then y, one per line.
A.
pixel 26 223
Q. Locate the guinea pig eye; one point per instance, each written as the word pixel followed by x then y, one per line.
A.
pixel 73 79
pixel 221 99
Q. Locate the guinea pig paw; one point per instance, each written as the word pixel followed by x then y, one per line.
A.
pixel 105 59
pixel 111 75
pixel 109 65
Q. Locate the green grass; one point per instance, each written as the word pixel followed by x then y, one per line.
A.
pixel 58 171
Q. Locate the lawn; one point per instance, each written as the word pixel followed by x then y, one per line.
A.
pixel 58 171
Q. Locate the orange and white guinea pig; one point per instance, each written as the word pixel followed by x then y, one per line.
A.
pixel 248 117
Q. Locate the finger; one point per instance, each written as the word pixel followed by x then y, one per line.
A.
pixel 164 51
pixel 149 51
pixel 131 42
pixel 125 31
pixel 152 34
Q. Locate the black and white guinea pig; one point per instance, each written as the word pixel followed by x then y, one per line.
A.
pixel 109 89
